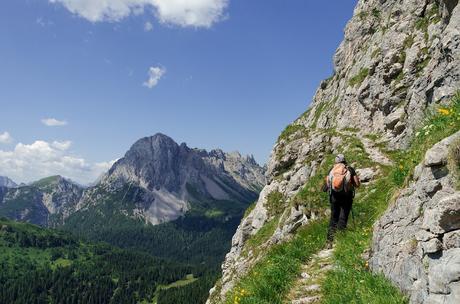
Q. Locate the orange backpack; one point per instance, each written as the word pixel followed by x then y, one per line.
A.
pixel 339 179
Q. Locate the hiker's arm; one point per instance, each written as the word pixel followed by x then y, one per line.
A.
pixel 324 188
pixel 356 181
pixel 355 177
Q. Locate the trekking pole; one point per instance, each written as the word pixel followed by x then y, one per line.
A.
pixel 353 217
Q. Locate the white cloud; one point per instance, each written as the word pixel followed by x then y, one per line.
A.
pixel 62 145
pixel 40 159
pixel 5 138
pixel 148 26
pixel 53 122
pixel 155 74
pixel 185 13
pixel 43 23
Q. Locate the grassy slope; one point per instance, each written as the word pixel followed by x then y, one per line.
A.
pixel 351 282
pixel 363 286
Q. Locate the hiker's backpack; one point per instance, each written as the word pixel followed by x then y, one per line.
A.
pixel 339 179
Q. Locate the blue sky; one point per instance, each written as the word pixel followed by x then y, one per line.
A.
pixel 234 74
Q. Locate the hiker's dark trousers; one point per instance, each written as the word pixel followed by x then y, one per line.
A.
pixel 340 210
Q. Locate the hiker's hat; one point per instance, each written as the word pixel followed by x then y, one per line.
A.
pixel 340 158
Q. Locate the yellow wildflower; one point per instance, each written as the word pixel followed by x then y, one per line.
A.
pixel 443 111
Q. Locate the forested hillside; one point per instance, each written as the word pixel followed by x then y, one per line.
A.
pixel 48 266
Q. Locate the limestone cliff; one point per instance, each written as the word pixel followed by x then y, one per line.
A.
pixel 398 59
pixel 417 241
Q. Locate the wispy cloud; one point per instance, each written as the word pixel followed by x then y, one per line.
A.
pixel 148 26
pixel 29 162
pixel 53 122
pixel 5 138
pixel 155 74
pixel 185 13
pixel 43 23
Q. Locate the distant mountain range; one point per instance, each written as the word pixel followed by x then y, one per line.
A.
pixel 157 181
pixel 178 205
pixel 48 200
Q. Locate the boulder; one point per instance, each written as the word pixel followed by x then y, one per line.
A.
pixel 366 174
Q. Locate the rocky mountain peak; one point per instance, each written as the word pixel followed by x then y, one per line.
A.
pixel 171 175
pixel 7 182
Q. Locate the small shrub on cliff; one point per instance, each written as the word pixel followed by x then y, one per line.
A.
pixel 275 203
pixel 291 129
pixel 359 78
pixel 376 13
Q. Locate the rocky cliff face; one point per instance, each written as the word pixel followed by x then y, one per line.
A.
pixel 45 202
pixel 168 178
pixel 398 59
pixel 417 241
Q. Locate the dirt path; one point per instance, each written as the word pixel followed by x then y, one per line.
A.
pixel 307 287
pixel 374 152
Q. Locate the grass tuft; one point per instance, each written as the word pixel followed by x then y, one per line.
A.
pixel 359 78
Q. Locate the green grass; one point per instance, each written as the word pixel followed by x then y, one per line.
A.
pixel 320 109
pixel 261 236
pixel 431 17
pixel 187 280
pixel 355 152
pixel 180 283
pixel 436 127
pixel 361 285
pixel 372 136
pixel 214 213
pixel 47 181
pixel 290 129
pixel 271 278
pixel 249 209
pixel 408 42
pixel 311 195
pixel 376 13
pixel 363 15
pixel 377 52
pixel 61 262
pixel 359 78
pixel 421 65
pixel 275 203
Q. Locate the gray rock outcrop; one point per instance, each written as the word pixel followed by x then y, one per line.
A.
pixel 416 243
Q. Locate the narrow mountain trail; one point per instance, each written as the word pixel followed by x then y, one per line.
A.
pixel 374 152
pixel 307 287
pixel 371 149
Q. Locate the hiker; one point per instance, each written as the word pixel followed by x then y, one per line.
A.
pixel 340 184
